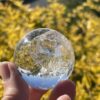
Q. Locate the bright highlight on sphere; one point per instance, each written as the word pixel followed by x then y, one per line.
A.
pixel 44 57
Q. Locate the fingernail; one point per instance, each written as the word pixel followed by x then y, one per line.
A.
pixel 4 71
pixel 64 97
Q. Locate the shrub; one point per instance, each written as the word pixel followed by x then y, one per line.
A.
pixel 81 24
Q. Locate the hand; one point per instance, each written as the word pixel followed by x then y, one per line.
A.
pixel 15 88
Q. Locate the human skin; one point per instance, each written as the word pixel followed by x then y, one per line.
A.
pixel 15 88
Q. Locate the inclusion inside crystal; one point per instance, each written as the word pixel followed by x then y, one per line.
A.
pixel 44 57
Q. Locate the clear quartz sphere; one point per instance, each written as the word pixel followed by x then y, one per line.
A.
pixel 44 57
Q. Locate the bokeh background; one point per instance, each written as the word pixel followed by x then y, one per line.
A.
pixel 79 20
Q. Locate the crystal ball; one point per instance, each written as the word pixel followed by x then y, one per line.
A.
pixel 44 57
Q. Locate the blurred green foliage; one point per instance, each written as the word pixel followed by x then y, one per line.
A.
pixel 80 22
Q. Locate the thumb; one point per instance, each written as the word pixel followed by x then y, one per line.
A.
pixel 15 87
pixel 65 87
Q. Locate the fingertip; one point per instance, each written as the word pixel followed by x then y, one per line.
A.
pixel 12 66
pixel 64 97
pixel 4 71
pixel 13 70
